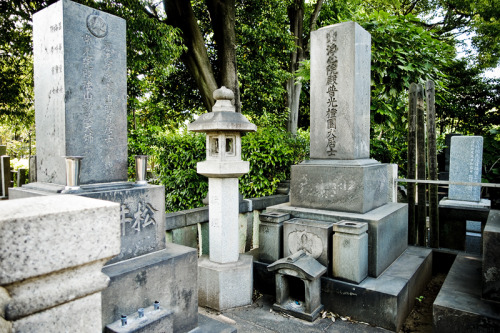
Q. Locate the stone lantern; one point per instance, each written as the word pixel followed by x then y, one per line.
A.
pixel 225 278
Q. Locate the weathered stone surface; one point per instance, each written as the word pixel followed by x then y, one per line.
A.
pixel 347 186
pixel 55 233
pixel 466 158
pixel 142 218
pixel 187 236
pixel 175 220
pixel 491 257
pixel 153 321
pixel 197 215
pixel 274 217
pixel 271 200
pixel 81 315
pixel 387 230
pixel 270 241
pixel 458 306
pixel 350 251
pixel 340 92
pixel 37 294
pixel 80 79
pixel 313 237
pixel 223 212
pixel 224 286
pixel 168 276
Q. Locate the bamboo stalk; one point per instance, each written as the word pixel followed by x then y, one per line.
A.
pixel 432 165
pixel 411 170
pixel 421 166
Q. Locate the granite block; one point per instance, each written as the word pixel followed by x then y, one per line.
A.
pixel 153 321
pixel 270 241
pixel 138 282
pixel 491 257
pixel 175 220
pixel 346 186
pixel 224 286
pixel 271 200
pixel 340 92
pixel 52 233
pixel 313 237
pixel 387 230
pixel 274 217
pixel 466 158
pixel 197 215
pixel 350 251
pixel 142 218
pixel 80 76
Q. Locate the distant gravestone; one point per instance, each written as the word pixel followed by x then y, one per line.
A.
pixel 80 92
pixel 466 158
pixel 3 150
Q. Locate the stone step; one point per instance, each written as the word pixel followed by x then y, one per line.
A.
pixel 153 320
pixel 458 306
pixel 384 301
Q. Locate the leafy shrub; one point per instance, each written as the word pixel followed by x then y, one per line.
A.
pixel 271 153
pixel 174 155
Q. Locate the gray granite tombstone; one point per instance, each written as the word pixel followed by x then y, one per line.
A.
pixel 466 158
pixel 80 92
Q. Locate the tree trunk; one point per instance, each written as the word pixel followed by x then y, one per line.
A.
pixel 223 17
pixel 296 16
pixel 180 15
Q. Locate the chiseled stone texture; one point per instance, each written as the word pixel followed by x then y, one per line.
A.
pixel 350 251
pixel 313 237
pixel 466 159
pixel 387 230
pixel 80 76
pixel 142 218
pixel 81 315
pixel 346 186
pixel 47 234
pixel 224 286
pixel 168 276
pixel 340 92
pixel 491 257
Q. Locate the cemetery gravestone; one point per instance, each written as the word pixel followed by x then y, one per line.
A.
pixel 80 92
pixel 466 157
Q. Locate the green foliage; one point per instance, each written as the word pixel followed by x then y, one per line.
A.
pixel 271 152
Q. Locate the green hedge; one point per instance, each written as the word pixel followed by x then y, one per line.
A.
pixel 173 157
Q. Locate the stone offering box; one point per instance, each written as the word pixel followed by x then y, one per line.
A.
pixel 350 251
pixel 312 237
pixel 271 236
pixel 304 267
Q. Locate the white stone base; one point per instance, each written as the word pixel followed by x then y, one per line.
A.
pixel 225 286
pixel 484 203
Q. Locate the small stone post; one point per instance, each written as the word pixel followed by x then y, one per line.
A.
pixel 225 278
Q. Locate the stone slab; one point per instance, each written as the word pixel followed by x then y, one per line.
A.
pixel 81 315
pixel 52 233
pixel 340 92
pixel 350 251
pixel 153 321
pixel 383 301
pixel 313 237
pixel 387 230
pixel 466 159
pixel 209 325
pixel 460 204
pixel 224 286
pixel 339 186
pixel 270 241
pixel 274 217
pixel 271 200
pixel 458 306
pixel 142 218
pixel 491 257
pixel 140 281
pixel 80 76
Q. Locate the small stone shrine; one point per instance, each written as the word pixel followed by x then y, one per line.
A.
pixel 304 267
pixel 343 213
pixel 224 277
pixel 80 112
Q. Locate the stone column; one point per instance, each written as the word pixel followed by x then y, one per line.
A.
pixel 225 277
pixel 52 250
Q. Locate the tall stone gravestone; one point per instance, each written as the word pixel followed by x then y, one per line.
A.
pixel 340 177
pixel 80 110
pixel 80 92
pixel 466 159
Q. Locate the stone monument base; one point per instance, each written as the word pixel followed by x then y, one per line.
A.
pixel 167 276
pixel 225 286
pixel 356 186
pixel 387 230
